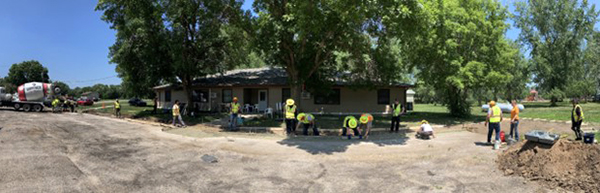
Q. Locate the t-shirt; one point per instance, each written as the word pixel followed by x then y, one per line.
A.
pixel 175 110
pixel 426 128
pixel 514 113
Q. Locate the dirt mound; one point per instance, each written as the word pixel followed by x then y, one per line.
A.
pixel 570 165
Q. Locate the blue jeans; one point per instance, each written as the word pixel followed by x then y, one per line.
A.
pixel 491 128
pixel 233 121
pixel 514 128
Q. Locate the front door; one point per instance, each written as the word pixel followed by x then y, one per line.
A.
pixel 262 100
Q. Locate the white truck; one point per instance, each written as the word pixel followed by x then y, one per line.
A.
pixel 32 96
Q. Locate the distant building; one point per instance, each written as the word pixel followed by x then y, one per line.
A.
pixel 262 88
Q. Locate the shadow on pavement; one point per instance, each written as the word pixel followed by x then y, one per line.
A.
pixel 483 144
pixel 337 144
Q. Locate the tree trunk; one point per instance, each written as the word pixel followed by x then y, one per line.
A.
pixel 187 88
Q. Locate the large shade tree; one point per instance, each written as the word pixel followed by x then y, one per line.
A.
pixel 555 31
pixel 463 50
pixel 24 72
pixel 175 41
pixel 309 38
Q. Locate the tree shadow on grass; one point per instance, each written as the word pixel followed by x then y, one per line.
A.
pixel 338 144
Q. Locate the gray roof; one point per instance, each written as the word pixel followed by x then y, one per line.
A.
pixel 267 76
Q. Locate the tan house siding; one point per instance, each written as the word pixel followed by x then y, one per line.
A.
pixel 351 101
pixel 355 101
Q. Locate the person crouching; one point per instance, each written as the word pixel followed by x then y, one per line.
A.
pixel 426 131
pixel 350 122
pixel 307 120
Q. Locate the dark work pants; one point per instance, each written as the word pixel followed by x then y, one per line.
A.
pixel 345 130
pixel 493 127
pixel 395 123
pixel 576 127
pixel 314 128
pixel 290 126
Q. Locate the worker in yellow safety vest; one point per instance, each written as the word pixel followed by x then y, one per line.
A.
pixel 290 116
pixel 577 119
pixel 494 117
pixel 397 110
pixel 235 110
pixel 55 104
pixel 350 122
pixel 366 122
pixel 307 120
pixel 117 108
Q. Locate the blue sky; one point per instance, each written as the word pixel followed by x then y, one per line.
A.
pixel 68 37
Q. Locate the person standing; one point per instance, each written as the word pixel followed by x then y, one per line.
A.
pixel 494 118
pixel 290 116
pixel 177 114
pixel 397 109
pixel 577 119
pixel 155 105
pixel 117 108
pixel 514 121
pixel 234 111
pixel 307 120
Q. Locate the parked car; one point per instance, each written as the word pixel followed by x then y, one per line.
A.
pixel 85 102
pixel 137 102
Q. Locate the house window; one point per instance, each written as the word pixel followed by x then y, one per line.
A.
pixel 331 98
pixel 167 96
pixel 286 93
pixel 200 96
pixel 227 96
pixel 383 96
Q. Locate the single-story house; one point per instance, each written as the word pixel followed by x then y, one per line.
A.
pixel 263 88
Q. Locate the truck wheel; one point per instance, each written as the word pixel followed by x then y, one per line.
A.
pixel 27 107
pixel 17 106
pixel 37 108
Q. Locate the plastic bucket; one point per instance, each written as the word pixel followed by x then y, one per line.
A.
pixel 588 138
pixel 502 136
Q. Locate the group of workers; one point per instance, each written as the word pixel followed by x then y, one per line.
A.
pixel 494 117
pixel 59 105
pixel 360 126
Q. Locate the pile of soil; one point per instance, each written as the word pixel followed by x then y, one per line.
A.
pixel 567 164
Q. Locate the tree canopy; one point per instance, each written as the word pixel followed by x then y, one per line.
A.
pixel 27 71
pixel 172 41
pixel 307 37
pixel 556 31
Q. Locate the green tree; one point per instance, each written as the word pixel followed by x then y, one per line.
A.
pixel 64 88
pixel 173 41
pixel 306 38
pixel 27 71
pixel 516 88
pixel 555 31
pixel 463 50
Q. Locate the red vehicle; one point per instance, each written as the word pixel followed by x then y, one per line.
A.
pixel 85 102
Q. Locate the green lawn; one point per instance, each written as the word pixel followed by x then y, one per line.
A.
pixel 561 112
pixel 146 112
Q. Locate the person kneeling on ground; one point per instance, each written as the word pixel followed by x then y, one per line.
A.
pixel 350 122
pixel 307 120
pixel 425 131
pixel 366 121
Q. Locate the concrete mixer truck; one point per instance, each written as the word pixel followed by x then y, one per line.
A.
pixel 31 96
